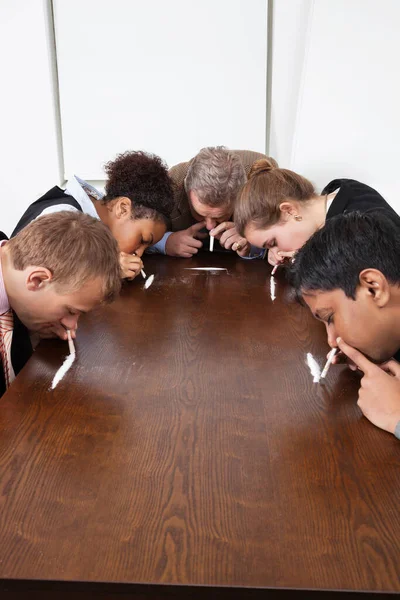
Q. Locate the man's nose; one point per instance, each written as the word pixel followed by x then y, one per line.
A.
pixel 210 223
pixel 139 251
pixel 331 333
pixel 70 322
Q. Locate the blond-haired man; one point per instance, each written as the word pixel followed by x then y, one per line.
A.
pixel 205 190
pixel 55 269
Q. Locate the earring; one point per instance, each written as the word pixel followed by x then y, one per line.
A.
pixel 298 217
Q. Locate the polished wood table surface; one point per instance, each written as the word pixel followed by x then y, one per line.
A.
pixel 188 446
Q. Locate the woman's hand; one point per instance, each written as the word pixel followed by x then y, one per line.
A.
pixel 277 257
pixel 130 264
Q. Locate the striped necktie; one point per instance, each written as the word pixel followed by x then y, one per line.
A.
pixel 6 333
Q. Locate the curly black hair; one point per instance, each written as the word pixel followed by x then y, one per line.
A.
pixel 144 179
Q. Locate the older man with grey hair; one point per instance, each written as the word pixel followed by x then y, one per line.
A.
pixel 205 190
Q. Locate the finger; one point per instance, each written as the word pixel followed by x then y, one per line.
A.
pixel 135 266
pixel 191 242
pixel 188 250
pixel 130 271
pixel 272 260
pixel 131 259
pixel 126 256
pixel 56 331
pixel 240 244
pixel 244 251
pixel 131 266
pixel 186 255
pixel 231 242
pixel 285 254
pixel 358 359
pixel 130 275
pixel 229 236
pixel 341 358
pixel 197 227
pixel 222 227
pixel 62 333
pixel 392 367
pixel 338 358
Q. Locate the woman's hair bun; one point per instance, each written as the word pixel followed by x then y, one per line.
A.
pixel 263 165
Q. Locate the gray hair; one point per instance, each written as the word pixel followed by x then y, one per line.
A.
pixel 216 174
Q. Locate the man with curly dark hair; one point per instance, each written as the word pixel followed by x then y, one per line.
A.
pixel 136 206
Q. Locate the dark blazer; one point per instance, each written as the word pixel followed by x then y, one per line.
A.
pixel 53 197
pixel 354 195
pixel 21 347
pixel 181 217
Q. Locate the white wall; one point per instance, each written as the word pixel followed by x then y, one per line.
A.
pixel 29 152
pixel 290 20
pixel 347 110
pixel 163 76
pixel 335 97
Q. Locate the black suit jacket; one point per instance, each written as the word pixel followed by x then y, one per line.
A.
pixel 354 195
pixel 53 197
pixel 21 347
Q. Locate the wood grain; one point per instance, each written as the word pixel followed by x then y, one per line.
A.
pixel 188 445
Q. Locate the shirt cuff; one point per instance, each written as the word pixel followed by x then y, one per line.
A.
pixel 397 431
pixel 254 253
pixel 159 248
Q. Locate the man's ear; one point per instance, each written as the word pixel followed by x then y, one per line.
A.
pixel 123 208
pixel 38 278
pixel 375 283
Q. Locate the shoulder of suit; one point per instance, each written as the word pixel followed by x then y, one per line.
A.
pixel 178 173
pixel 248 158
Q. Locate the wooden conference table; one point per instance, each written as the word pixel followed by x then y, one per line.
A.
pixel 188 446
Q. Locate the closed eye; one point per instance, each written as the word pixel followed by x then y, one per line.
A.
pixel 269 244
pixel 147 242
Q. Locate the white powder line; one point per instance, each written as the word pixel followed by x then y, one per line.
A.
pixel 148 282
pixel 272 288
pixel 67 364
pixel 314 367
pixel 205 269
pixel 211 243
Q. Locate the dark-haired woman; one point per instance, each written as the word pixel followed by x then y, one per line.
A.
pixel 279 210
pixel 136 206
